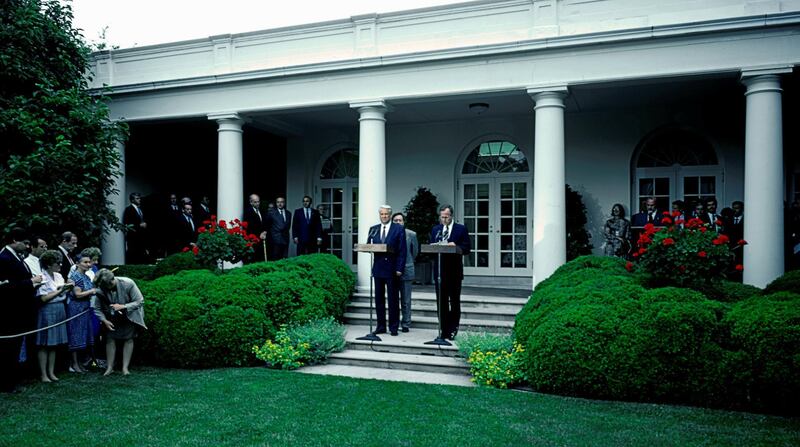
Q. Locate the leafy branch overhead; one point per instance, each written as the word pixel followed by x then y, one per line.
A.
pixel 58 159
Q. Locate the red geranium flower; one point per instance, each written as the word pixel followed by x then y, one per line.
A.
pixel 214 217
pixel 676 213
pixel 244 224
pixel 666 213
pixel 636 254
pixel 223 224
pixel 668 241
pixel 702 254
pixel 206 222
pixel 741 242
pixel 185 249
pixel 196 250
pixel 649 228
pixel 682 268
pixel 628 266
pixel 739 267
pixel 642 251
pixel 201 230
pixel 666 221
pixel 718 222
pixel 703 229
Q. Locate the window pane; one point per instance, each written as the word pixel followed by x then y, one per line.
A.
pixel 506 191
pixel 483 259
pixel 662 186
pixel 506 208
pixel 470 224
pixel 505 242
pixel 520 207
pixel 520 243
pixel 506 225
pixel 520 225
pixel 326 195
pixel 520 190
pixel 483 208
pixel 646 187
pixel 469 191
pixel 469 208
pixel 483 225
pixel 520 260
pixel 483 191
pixel 690 185
pixel 483 242
pixel 337 209
pixel 708 186
pixel 505 260
pixel 337 195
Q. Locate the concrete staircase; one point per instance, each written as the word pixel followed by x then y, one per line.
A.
pixel 406 357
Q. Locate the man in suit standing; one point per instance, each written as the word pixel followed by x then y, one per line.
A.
pixel 452 270
pixel 278 223
pixel 136 237
pixel 710 216
pixel 648 215
pixel 202 212
pixel 256 225
pixel 67 246
pixel 307 228
pixel 186 230
pixel 404 282
pixel 19 305
pixel 387 268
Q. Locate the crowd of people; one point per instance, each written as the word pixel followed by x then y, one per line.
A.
pixel 620 234
pixel 159 230
pixel 60 301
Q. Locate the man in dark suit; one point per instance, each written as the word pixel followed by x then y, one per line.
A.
pixel 710 217
pixel 136 237
pixel 67 246
pixel 388 268
pixel 256 224
pixel 452 270
pixel 17 286
pixel 202 212
pixel 278 223
pixel 185 229
pixel 307 228
pixel 650 214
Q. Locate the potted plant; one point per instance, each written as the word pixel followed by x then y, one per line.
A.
pixel 421 215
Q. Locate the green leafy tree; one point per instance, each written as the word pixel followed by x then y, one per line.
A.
pixel 57 145
pixel 577 236
pixel 422 213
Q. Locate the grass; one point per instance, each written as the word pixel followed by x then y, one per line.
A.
pixel 256 406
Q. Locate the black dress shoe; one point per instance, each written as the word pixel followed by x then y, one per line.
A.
pixel 405 329
pixel 380 331
pixel 394 333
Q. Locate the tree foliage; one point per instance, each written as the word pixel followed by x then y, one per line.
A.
pixel 57 145
pixel 577 237
pixel 422 213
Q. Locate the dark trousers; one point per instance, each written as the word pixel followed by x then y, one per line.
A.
pixel 9 363
pixel 382 287
pixel 278 251
pixel 449 303
pixel 306 248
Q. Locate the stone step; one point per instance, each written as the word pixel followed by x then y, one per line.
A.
pixel 412 342
pixel 428 309
pixel 466 300
pixel 410 362
pixel 422 322
pixel 396 375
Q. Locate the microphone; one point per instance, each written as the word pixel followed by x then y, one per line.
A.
pixel 371 235
pixel 439 236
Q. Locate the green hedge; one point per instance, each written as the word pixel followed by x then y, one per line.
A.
pixel 137 272
pixel 592 330
pixel 198 318
pixel 789 282
pixel 175 263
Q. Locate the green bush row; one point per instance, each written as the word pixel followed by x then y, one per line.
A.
pixel 593 330
pixel 199 318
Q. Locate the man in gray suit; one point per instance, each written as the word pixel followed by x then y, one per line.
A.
pixel 412 250
pixel 279 220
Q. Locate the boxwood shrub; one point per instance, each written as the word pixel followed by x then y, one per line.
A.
pixel 593 330
pixel 199 318
pixel 789 282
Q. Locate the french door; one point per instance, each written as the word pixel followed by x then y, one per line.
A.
pixel 687 183
pixel 497 212
pixel 341 200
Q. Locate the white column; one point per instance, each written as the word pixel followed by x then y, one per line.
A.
pixel 549 204
pixel 763 176
pixel 371 175
pixel 230 177
pixel 113 243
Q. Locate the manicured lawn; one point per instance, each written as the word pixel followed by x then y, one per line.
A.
pixel 256 406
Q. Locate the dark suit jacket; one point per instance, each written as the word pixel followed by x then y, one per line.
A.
pixel 277 228
pixel 184 235
pixel 452 264
pixel 17 297
pixel 735 231
pixel 131 217
pixel 640 219
pixel 200 214
pixel 66 265
pixel 255 224
pixel 306 231
pixel 711 222
pixel 387 264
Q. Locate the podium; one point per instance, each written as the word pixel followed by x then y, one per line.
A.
pixel 440 249
pixel 372 249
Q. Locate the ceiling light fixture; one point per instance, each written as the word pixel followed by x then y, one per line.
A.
pixel 478 108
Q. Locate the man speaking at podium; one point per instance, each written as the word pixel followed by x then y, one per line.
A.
pixel 388 268
pixel 452 272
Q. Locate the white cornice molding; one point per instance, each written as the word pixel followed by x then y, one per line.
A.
pixel 749 72
pixel 562 42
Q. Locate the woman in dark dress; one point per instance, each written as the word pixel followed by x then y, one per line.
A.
pixel 617 233
pixel 81 336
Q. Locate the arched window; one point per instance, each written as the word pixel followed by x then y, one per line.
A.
pixel 495 156
pixel 676 147
pixel 676 164
pixel 341 164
